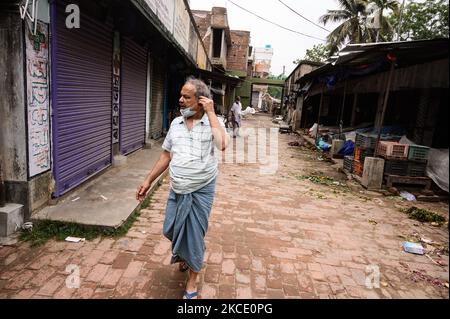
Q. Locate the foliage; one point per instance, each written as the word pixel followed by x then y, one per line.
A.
pixel 423 215
pixel 385 26
pixel 45 230
pixel 277 77
pixel 352 15
pixel 421 21
pixel 275 91
pixel 320 178
pixel 318 53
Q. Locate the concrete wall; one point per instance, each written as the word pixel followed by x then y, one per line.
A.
pixel 203 21
pixel 13 146
pixel 34 193
pixel 224 50
pixel 40 189
pixel 207 21
pixel 219 18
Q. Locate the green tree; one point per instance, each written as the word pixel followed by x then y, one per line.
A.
pixel 276 77
pixel 385 25
pixel 352 15
pixel 318 53
pixel 274 91
pixel 421 21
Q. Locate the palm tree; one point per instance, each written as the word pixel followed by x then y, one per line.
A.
pixel 352 14
pixel 385 26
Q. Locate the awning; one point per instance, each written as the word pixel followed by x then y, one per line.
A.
pixel 369 58
pixel 217 76
pixel 305 88
pixel 217 91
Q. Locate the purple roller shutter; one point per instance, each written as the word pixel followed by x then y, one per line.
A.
pixel 156 113
pixel 81 98
pixel 133 93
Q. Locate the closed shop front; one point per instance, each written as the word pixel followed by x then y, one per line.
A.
pixel 81 98
pixel 158 96
pixel 133 96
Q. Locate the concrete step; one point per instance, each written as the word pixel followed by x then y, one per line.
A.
pixel 11 218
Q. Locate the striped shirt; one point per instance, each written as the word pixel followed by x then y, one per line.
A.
pixel 193 164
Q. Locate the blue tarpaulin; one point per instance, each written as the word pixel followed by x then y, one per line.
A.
pixel 347 149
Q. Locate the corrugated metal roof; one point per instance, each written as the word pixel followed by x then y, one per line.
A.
pixel 359 56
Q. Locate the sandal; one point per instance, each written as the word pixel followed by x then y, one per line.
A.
pixel 183 266
pixel 190 295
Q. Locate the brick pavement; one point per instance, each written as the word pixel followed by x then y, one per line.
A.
pixel 270 236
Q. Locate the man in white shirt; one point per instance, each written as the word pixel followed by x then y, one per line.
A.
pixel 188 151
pixel 236 109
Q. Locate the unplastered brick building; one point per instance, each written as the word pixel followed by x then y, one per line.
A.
pixel 228 50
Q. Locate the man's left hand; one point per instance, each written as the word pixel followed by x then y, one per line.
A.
pixel 208 104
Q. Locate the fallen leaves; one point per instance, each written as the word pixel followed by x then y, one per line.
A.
pixel 423 215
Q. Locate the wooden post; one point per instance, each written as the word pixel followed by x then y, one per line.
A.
pixel 342 110
pixel 386 99
pixel 318 116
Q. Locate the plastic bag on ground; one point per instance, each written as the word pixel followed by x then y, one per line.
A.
pixel 408 196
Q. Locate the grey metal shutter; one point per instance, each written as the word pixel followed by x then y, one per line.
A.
pixel 133 93
pixel 156 114
pixel 81 99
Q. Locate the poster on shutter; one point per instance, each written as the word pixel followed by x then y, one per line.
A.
pixel 37 78
pixel 181 25
pixel 116 87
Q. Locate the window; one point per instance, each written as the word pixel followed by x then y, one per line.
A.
pixel 217 42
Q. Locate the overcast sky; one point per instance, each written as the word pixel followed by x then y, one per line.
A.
pixel 287 46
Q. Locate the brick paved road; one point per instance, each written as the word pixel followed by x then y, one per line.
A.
pixel 272 236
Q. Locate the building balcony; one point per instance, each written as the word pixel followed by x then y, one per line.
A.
pixel 219 62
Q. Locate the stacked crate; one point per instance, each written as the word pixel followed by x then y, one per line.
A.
pixel 348 164
pixel 403 160
pixel 364 147
pixel 418 160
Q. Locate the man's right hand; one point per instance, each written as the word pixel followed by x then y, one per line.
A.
pixel 142 191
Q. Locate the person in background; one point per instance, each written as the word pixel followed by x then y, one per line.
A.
pixel 236 109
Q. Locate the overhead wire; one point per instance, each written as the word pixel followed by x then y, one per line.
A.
pixel 274 23
pixel 317 25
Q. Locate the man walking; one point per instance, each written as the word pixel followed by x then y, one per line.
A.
pixel 189 154
pixel 236 109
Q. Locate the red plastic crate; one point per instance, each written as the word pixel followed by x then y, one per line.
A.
pixel 393 150
pixel 357 154
pixel 357 168
pixel 361 153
